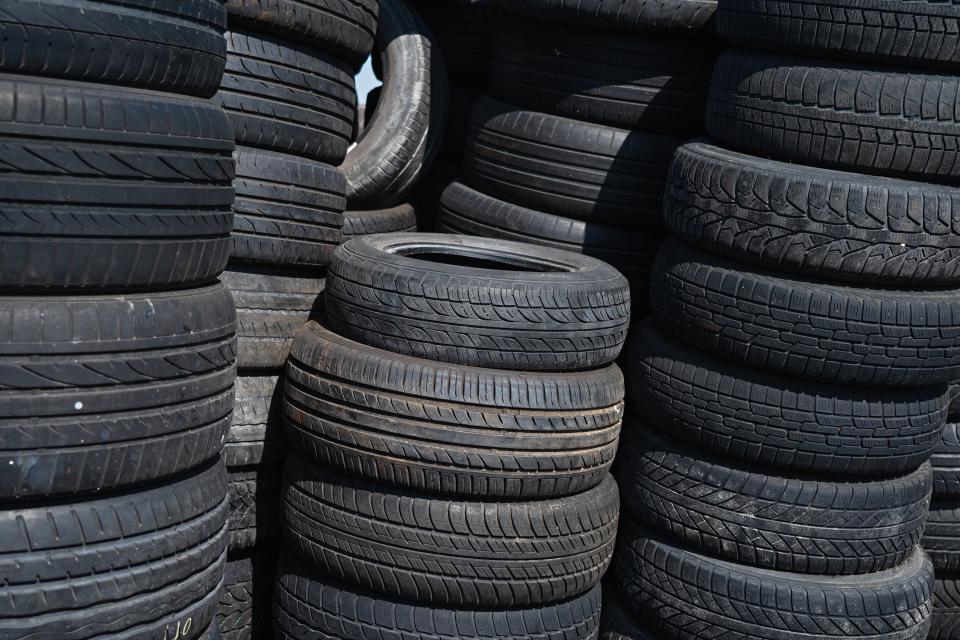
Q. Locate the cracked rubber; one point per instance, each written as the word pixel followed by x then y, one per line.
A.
pixel 778 421
pixel 941 537
pixel 401 218
pixel 246 601
pixel 478 302
pixel 821 223
pixel 945 623
pixel 450 429
pixel 111 188
pixel 100 392
pixel 865 119
pixel 446 551
pixel 128 566
pixel 946 462
pixel 152 44
pixel 694 17
pixel 793 326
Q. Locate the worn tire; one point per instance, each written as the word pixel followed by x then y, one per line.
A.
pixel 111 391
pixel 256 431
pixel 689 596
pixel 695 17
pixel 400 218
pixel 919 34
pixel 478 302
pixel 391 419
pixel 946 462
pixel 177 47
pixel 794 326
pixel 289 210
pixel 941 537
pixel 568 168
pixel 865 119
pixel 272 306
pixel 779 422
pixel 111 188
pixel 309 603
pixel 255 505
pixel 125 566
pixel 446 551
pixel 246 601
pixel 945 623
pixel 656 83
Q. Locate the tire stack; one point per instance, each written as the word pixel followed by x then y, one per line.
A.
pixel 117 343
pixel 452 425
pixel 793 386
pixel 290 95
pixel 587 103
pixel 941 538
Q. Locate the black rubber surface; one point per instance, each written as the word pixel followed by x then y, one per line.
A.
pixel 566 167
pixel 152 44
pixel 823 223
pixel 110 391
pixel 779 421
pixel 462 29
pixel 402 217
pixel 107 187
pixel 941 537
pixel 478 302
pixel 945 623
pixel 946 462
pixel 450 429
pixel 256 430
pixel 650 83
pixel 309 603
pixel 689 596
pixel 695 17
pixel 255 500
pixel 865 119
pixel 289 210
pixel 244 611
pixel 130 566
pixel 443 551
pixel 800 327
pixel 616 623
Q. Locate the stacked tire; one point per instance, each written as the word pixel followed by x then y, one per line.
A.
pixel 452 425
pixel 941 538
pixel 117 342
pixel 289 93
pixel 790 392
pixel 587 103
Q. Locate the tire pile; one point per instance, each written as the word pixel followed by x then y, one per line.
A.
pixel 452 425
pixel 117 343
pixel 784 404
pixel 587 103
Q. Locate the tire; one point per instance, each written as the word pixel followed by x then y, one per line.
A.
pixel 463 30
pixel 289 210
pixel 921 34
pixel 616 623
pixel 945 622
pixel 343 27
pixel 111 188
pixel 694 17
pixel 449 552
pixel 244 611
pixel 793 326
pixel 946 462
pixel 256 431
pixel 512 435
pixel 255 505
pixel 104 392
pixel 401 218
pixel 941 537
pixel 820 223
pixel 119 567
pixel 688 596
pixel 478 302
pixel 568 168
pixel 310 603
pixel 401 139
pixel 741 514
pixel 657 83
pixel 272 306
pixel 177 48
pixel 880 121
pixel 777 421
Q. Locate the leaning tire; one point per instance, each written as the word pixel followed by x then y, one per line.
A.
pixel 499 304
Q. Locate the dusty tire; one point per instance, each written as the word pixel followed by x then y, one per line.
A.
pixel 941 537
pixel 946 462
pixel 121 566
pixel 401 218
pixel 695 17
pixel 478 302
pixel 177 48
pixel 447 551
pixel 794 326
pixel 244 611
pixel 111 188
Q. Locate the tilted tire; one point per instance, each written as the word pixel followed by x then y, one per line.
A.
pixel 142 564
pixel 309 602
pixel 177 47
pixel 449 551
pixel 695 17
pixel 794 326
pixel 478 302
pixel 822 223
pixel 778 421
pixel 111 188
pixel 400 218
pixel 391 419
pixel 946 462
pixel 246 601
pixel 112 391
pixel 941 537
